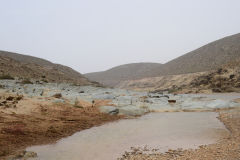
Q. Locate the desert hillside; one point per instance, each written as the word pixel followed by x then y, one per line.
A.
pixel 224 79
pixel 208 57
pixel 160 83
pixel 117 74
pixel 28 67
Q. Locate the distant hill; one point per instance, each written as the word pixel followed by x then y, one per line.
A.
pixel 24 66
pixel 208 57
pixel 117 74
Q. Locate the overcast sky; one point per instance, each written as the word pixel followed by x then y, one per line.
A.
pixel 95 35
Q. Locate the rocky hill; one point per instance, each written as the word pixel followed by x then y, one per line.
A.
pixel 28 67
pixel 117 74
pixel 224 79
pixel 161 83
pixel 208 57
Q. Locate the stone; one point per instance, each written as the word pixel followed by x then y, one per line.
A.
pixel 109 110
pixel 29 154
pixel 10 98
pixel 24 155
pixel 58 101
pixel 103 96
pixel 57 95
pixel 132 111
pixel 218 104
pixel 218 90
pixel 172 101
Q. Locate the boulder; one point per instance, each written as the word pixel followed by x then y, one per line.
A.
pixel 57 95
pixel 132 111
pixel 218 104
pixel 109 110
pixel 103 96
pixel 58 101
pixel 171 101
pixel 160 108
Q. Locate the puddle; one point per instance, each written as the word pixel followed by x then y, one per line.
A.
pixel 157 130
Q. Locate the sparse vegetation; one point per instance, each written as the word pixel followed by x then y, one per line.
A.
pixel 26 81
pixel 44 80
pixel 6 76
pixel 77 106
pixel 57 95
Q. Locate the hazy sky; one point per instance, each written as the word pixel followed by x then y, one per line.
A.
pixel 94 35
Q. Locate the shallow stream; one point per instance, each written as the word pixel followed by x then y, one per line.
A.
pixel 156 130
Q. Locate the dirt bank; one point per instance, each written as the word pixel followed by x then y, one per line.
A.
pixel 34 121
pixel 226 149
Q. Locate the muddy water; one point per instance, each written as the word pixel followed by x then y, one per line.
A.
pixel 157 130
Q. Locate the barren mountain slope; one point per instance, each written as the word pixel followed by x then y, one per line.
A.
pixel 23 66
pixel 117 74
pixel 208 57
pixel 224 79
pixel 159 83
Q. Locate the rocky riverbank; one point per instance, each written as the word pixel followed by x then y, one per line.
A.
pixel 115 101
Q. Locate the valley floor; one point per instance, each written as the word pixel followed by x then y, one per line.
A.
pixel 40 117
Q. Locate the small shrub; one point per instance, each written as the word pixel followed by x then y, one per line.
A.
pixel 44 80
pixel 57 95
pixel 217 90
pixel 230 89
pixel 26 81
pixel 6 76
pixel 77 106
pixel 4 153
pixel 231 76
pixel 173 90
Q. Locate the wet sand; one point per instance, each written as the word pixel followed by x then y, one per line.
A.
pixel 158 130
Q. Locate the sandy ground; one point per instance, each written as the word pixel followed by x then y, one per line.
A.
pixel 226 149
pixel 25 122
